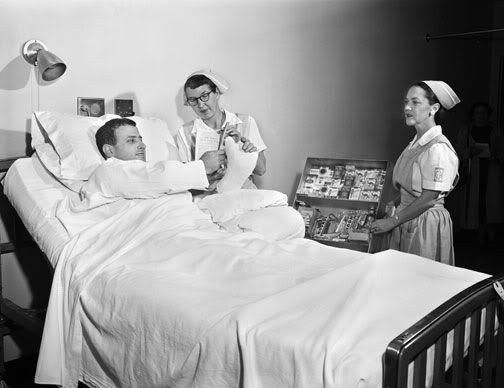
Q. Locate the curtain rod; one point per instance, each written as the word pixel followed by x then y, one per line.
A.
pixel 428 37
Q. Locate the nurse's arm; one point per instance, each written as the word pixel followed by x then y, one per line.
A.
pixel 426 200
pixel 260 168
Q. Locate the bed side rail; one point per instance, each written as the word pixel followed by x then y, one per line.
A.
pixel 20 235
pixel 466 340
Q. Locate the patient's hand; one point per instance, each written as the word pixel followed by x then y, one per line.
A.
pixel 217 175
pixel 213 160
pixel 232 130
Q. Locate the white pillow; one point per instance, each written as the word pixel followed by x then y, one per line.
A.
pixel 157 138
pixel 72 138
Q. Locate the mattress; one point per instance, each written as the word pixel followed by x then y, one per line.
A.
pixel 34 194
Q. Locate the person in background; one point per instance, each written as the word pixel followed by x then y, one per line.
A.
pixel 480 146
pixel 424 174
pixel 202 91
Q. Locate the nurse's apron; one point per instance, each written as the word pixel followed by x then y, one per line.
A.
pixel 186 143
pixel 430 234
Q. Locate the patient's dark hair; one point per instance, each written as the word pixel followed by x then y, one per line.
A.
pixel 432 98
pixel 106 133
pixel 198 80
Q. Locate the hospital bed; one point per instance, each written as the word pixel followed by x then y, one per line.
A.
pixel 273 337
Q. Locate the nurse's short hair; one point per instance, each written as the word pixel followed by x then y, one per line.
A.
pixel 106 133
pixel 432 98
pixel 198 80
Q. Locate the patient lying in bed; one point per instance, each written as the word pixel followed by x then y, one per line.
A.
pixel 126 177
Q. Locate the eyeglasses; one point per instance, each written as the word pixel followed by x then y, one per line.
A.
pixel 193 101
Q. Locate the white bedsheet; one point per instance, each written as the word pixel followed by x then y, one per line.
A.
pixel 157 296
pixel 34 194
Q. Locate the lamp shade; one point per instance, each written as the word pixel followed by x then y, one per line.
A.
pixel 49 65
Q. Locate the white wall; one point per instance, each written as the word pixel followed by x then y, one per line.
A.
pixel 322 77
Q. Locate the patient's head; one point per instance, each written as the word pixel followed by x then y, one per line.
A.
pixel 119 138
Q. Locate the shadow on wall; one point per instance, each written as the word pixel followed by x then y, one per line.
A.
pixel 184 112
pixel 15 75
pixel 110 105
pixel 16 137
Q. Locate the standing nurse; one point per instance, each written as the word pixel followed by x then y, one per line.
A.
pixel 424 174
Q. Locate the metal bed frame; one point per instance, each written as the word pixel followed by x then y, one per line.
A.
pixel 13 316
pixel 480 364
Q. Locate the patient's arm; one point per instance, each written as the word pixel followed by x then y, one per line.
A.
pixel 137 179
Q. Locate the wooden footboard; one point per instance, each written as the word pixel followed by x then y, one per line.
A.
pixel 470 323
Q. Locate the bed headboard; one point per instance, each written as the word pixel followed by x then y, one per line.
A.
pixel 6 163
pixel 482 361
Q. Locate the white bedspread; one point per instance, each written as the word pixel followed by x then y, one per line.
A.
pixel 157 296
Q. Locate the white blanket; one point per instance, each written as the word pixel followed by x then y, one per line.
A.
pixel 117 185
pixel 157 296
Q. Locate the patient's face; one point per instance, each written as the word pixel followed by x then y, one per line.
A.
pixel 129 144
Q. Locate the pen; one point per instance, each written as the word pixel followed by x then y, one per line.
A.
pixel 222 136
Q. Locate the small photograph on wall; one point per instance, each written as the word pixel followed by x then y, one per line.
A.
pixel 91 107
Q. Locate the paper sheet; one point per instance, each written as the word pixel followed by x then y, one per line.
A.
pixel 206 140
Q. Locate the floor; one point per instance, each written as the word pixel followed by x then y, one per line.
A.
pixel 479 256
pixel 469 253
pixel 20 372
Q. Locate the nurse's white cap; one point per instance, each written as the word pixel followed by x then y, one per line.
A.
pixel 216 79
pixel 445 94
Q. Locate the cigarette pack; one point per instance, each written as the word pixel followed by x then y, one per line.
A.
pixel 354 193
pixel 339 171
pixel 349 178
pixel 369 183
pixel 344 193
pixel 375 195
pixel 325 171
pixel 359 178
pixel 337 183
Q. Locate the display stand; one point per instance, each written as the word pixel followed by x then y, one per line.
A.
pixel 339 198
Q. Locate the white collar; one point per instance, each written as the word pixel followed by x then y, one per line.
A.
pixel 427 136
pixel 231 119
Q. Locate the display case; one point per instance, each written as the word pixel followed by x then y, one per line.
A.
pixel 339 198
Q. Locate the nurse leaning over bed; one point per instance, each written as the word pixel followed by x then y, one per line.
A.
pixel 424 174
pixel 202 91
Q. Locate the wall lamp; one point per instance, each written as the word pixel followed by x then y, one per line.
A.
pixel 49 65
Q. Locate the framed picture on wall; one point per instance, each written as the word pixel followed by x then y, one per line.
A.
pixel 91 107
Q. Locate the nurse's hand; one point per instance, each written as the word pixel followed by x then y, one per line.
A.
pixel 383 225
pixel 248 146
